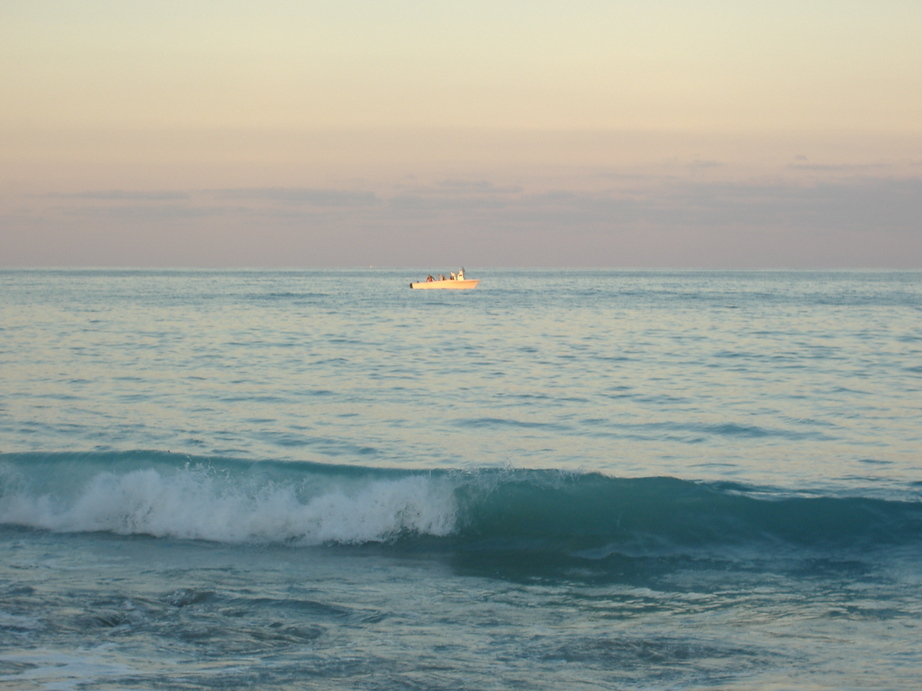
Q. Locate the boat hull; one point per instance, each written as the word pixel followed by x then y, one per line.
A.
pixel 466 284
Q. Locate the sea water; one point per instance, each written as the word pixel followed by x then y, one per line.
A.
pixel 559 480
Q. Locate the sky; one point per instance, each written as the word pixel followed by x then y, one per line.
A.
pixel 282 133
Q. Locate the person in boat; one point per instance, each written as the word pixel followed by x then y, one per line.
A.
pixel 441 277
pixel 460 274
pixel 452 276
pixel 429 278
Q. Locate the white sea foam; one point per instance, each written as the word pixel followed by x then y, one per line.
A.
pixel 195 504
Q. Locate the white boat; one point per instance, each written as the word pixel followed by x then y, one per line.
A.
pixel 453 282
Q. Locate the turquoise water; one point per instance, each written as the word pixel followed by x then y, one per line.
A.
pixel 590 479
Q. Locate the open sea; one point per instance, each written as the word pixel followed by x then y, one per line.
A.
pixel 590 479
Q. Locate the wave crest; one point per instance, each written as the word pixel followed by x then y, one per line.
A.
pixel 512 511
pixel 200 503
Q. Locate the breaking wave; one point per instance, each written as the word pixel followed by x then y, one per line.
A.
pixel 232 501
pixel 222 501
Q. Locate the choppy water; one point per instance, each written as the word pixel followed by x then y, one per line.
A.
pixel 581 480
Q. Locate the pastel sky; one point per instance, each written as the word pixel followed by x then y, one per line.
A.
pixel 653 133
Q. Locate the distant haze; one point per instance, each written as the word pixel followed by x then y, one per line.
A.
pixel 416 133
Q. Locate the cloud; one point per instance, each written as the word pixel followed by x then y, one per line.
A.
pixel 862 204
pixel 698 164
pixel 119 195
pixel 422 202
pixel 856 205
pixel 665 202
pixel 301 196
pixel 839 167
pixel 474 187
pixel 858 221
pixel 454 195
pixel 151 213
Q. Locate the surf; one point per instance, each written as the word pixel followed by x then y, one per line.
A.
pixel 308 504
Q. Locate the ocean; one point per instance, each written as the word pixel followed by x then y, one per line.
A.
pixel 564 479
